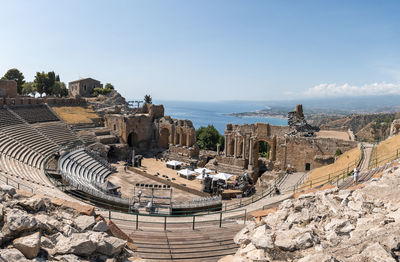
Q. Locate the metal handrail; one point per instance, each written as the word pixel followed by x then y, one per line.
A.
pixel 332 177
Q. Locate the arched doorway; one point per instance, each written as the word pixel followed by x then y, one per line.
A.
pixel 164 138
pixel 263 155
pixel 133 139
pixel 264 150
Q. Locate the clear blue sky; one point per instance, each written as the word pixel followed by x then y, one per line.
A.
pixel 209 50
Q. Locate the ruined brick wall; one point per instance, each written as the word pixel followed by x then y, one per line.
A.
pixel 175 132
pixel 304 153
pixel 8 88
pixel 144 131
pixel 51 101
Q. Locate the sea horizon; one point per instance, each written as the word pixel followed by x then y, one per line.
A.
pixel 217 113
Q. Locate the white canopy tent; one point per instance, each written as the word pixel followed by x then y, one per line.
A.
pixel 200 170
pixel 200 177
pixel 174 164
pixel 186 172
pixel 223 176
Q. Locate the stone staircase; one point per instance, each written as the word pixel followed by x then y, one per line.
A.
pixel 185 245
pixel 225 168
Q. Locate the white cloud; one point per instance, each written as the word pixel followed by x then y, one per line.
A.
pixel 334 90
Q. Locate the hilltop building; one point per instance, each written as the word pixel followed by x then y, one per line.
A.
pixel 83 87
pixel 8 89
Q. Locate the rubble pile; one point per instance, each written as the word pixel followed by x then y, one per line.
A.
pixel 358 224
pixel 35 229
pixel 298 124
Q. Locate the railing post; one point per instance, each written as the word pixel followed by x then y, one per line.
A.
pixel 245 215
pixel 18 185
pixel 220 219
pixel 137 221
pixel 109 214
pixel 193 222
pixel 165 223
pixel 7 180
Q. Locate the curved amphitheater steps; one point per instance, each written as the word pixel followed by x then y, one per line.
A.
pixel 196 245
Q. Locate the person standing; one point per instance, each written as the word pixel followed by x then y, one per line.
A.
pixel 356 173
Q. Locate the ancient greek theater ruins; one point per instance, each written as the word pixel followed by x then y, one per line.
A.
pixel 142 171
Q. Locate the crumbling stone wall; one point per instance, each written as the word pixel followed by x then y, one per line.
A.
pixel 153 130
pixel 52 101
pixel 298 124
pixel 8 88
pixel 287 148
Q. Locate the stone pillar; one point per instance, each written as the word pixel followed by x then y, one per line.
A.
pixel 235 147
pixel 244 148
pixel 188 137
pixel 218 146
pixel 171 137
pixel 250 166
pixel 273 149
pixel 181 143
pixel 176 140
pixel 226 146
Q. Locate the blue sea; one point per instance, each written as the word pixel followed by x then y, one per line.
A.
pixel 215 113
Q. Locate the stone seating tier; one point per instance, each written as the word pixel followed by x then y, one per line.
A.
pixel 35 113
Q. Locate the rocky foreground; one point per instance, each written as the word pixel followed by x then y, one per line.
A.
pixel 36 229
pixel 360 224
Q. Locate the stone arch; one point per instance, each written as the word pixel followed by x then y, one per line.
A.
pixel 133 140
pixel 164 138
pixel 256 150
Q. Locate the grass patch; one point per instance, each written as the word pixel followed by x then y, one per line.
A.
pixel 319 176
pixel 75 114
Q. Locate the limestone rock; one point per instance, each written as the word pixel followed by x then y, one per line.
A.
pixel 318 257
pixel 243 252
pixel 48 223
pixel 18 220
pixel 228 258
pixel 68 258
pixel 8 189
pixel 84 222
pixel 28 245
pixel 101 226
pixel 78 244
pixel 377 253
pixel 241 236
pixel 261 239
pixel 110 246
pixel 33 204
pixel 11 255
pixel 285 240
